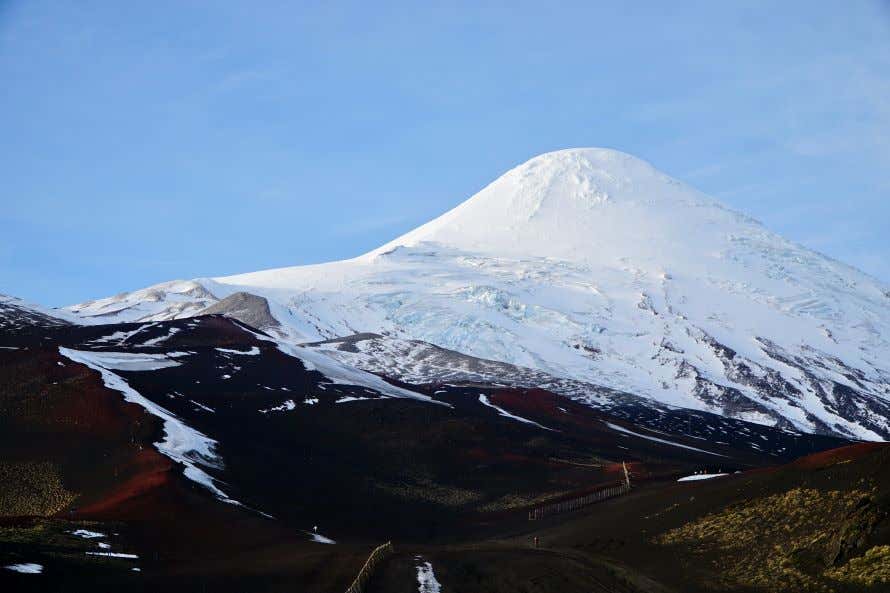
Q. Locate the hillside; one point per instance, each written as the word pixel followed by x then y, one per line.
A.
pixel 202 452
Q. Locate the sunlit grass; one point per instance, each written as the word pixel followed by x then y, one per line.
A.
pixel 787 542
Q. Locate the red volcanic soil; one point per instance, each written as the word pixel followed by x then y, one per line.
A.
pixel 58 411
pixel 61 411
pixel 185 540
pixel 539 405
pixel 132 498
pixel 839 455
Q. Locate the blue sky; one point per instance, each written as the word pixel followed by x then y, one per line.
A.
pixel 150 141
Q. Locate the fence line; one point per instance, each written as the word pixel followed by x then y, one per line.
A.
pixel 577 503
pixel 380 553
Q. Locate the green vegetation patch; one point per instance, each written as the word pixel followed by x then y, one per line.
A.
pixel 427 490
pixel 48 535
pixel 32 488
pixel 784 542
pixel 870 569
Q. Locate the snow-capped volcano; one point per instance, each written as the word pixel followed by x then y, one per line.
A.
pixel 591 265
pixel 590 205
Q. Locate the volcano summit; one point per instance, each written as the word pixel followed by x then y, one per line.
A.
pixel 595 270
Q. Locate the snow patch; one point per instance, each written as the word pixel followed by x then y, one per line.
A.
pixel 155 341
pixel 113 555
pixel 696 477
pixel 319 538
pixel 26 568
pixel 252 352
pixel 87 534
pixel 287 405
pixel 426 579
pixel 134 361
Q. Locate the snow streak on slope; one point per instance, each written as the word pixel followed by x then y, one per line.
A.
pixel 590 265
pixel 623 430
pixel 483 399
pixel 181 443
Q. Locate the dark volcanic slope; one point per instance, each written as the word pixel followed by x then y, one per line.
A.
pixel 297 449
pixel 293 444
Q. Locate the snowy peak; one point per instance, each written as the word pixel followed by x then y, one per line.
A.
pixel 589 204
